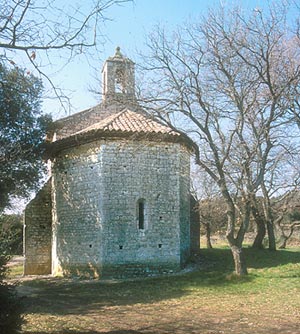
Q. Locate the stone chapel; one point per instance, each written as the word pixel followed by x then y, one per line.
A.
pixel 117 202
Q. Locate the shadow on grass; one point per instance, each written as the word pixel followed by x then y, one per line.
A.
pixel 61 296
pixel 264 263
pixel 265 258
pixel 220 259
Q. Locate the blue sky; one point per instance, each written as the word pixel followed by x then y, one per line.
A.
pixel 129 24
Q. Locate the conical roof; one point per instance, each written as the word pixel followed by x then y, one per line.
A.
pixel 129 124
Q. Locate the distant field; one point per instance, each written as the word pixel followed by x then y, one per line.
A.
pixel 206 301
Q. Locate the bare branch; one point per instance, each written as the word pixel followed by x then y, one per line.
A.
pixel 36 28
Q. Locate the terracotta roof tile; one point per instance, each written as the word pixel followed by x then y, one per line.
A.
pixel 129 121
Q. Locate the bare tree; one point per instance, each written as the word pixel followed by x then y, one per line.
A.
pixel 281 182
pixel 48 31
pixel 287 216
pixel 227 82
pixel 285 236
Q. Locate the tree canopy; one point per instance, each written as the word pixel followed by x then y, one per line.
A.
pixel 22 132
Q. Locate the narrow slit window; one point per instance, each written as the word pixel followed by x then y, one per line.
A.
pixel 141 214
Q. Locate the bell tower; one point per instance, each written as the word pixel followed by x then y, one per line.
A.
pixel 118 79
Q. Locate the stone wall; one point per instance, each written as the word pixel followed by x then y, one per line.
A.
pixel 97 187
pixel 184 193
pixel 77 224
pixel 37 236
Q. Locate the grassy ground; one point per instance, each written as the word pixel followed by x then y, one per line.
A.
pixel 208 300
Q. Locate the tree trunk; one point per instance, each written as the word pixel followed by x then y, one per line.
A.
pixel 271 235
pixel 269 219
pixel 284 237
pixel 208 235
pixel 261 229
pixel 284 240
pixel 236 243
pixel 239 260
pixel 260 235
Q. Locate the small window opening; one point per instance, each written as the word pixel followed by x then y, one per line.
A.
pixel 119 82
pixel 141 214
pixel 120 246
pixel 159 245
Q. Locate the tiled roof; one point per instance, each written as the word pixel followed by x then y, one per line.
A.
pixel 136 125
pixel 129 121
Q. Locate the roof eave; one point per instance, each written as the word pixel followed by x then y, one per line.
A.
pixel 54 148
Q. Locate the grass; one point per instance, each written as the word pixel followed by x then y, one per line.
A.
pixel 208 300
pixel 16 271
pixel 15 267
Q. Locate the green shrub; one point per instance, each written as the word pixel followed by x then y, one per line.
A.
pixel 10 309
pixel 10 306
pixel 11 233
